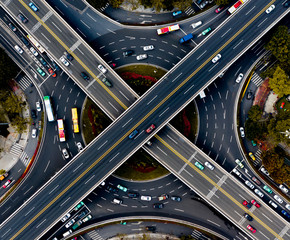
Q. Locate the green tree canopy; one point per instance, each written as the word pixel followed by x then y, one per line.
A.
pixel 8 69
pixel 282 175
pixel 255 130
pixel 182 4
pixel 222 2
pixel 272 160
pixel 275 129
pixel 255 113
pixel 280 82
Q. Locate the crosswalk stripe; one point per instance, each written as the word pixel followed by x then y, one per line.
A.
pixel 24 83
pixel 257 80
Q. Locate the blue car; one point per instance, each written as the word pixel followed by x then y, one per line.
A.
pixel 285 213
pixel 33 7
pixel 176 13
pixel 133 134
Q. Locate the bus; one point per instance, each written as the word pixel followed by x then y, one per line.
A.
pixel 74 113
pixel 60 130
pixel 233 8
pixel 48 108
pixel 35 43
pixel 168 29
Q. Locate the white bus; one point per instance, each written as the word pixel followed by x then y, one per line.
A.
pixel 60 130
pixel 35 43
pixel 48 108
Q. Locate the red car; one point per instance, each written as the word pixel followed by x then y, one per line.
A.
pixel 247 204
pixel 255 203
pixel 6 184
pixel 113 65
pixel 53 74
pixel 253 230
pixel 219 9
pixel 149 130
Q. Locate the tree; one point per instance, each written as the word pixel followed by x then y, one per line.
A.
pixel 182 4
pixel 222 2
pixel 158 5
pixel 280 82
pixel 8 69
pixel 98 3
pixel 272 160
pixel 275 129
pixel 282 175
pixel 255 113
pixel 255 130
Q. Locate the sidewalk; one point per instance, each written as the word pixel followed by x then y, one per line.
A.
pixel 149 236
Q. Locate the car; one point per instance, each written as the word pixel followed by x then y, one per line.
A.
pixel 216 58
pixel 6 184
pixel 103 183
pixel 38 106
pixel 41 72
pixel 80 146
pixel 206 31
pixel 113 65
pixel 64 61
pixel 270 9
pixel 254 202
pixel 197 24
pixel 285 213
pixel 33 7
pixel 236 172
pixel 267 189
pixel 77 207
pixel 279 200
pixel 247 204
pixel 150 129
pixel 43 61
pixel 150 228
pixel 242 131
pixel 68 56
pixel 219 9
pixel 51 72
pixel 148 48
pixel 176 198
pixel 256 181
pixel 107 82
pixel 65 153
pixel 163 197
pixel 133 134
pixel 146 198
pixel 252 156
pixel 286 4
pixel 249 217
pixel 239 78
pixel 176 13
pixel 18 49
pixel 102 68
pixel 128 53
pixel 71 222
pixel 199 2
pixel 283 188
pixel 87 218
pixel 263 170
pixel 111 188
pixel 65 217
pixel 239 163
pixel 273 204
pixel 117 201
pixel 253 143
pixel 253 230
pixel 39 125
pixel 249 95
pixel 149 143
pixel 124 189
pixel 141 57
pixel 12 27
pixel 287 206
pixel 33 113
pixel 207 164
pixel 203 4
pixel 259 193
pixel 34 52
pixel 81 215
pixel 22 18
pixel 133 195
pixel 24 40
pixel 249 184
pixel 158 205
pixel 199 165
pixel 55 66
pixel 33 133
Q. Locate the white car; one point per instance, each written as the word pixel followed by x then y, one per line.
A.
pixel 102 69
pixel 148 48
pixel 242 132
pixel 197 24
pixel 80 146
pixel 249 184
pixel 33 133
pixel 288 206
pixel 203 4
pixel 65 153
pixel 65 217
pixel 38 107
pixel 270 9
pixel 18 49
pixel 146 198
pixel 64 61
pixel 278 199
pixel 141 57
pixel 236 172
pixel 263 170
pixel 216 58
pixel 71 222
pixel 283 188
pixel 35 53
pixel 87 218
pixel 259 193
pixel 239 78
pixel 239 163
pixel 207 164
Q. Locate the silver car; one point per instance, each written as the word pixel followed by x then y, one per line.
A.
pixel 259 193
pixel 197 24
pixel 207 164
pixel 249 184
pixel 216 58
pixel 278 199
pixel 64 61
pixel 65 217
pixel 65 153
pixel 242 131
pixel 148 48
pixel 71 222
pixel 102 69
pixel 239 78
pixel 141 57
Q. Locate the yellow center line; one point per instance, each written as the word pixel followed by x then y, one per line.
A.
pixel 141 121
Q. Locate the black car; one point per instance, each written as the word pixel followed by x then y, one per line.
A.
pixel 24 40
pixel 68 56
pixel 151 228
pixel 249 217
pixel 22 18
pixel 33 113
pixel 43 61
pixel 249 95
pixel 112 188
pixel 133 195
pixel 12 27
pixel 85 76
pixel 128 53
pixel 158 205
pixel 286 4
pixel 176 198
pixel 199 2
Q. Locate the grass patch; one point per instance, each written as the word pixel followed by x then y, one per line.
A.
pixel 286 106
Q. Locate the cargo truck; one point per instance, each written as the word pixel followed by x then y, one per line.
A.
pixel 186 38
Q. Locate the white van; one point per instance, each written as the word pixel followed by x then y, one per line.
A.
pixel 202 94
pixel 236 172
pixel 67 233
pixel 273 204
pixel 117 201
